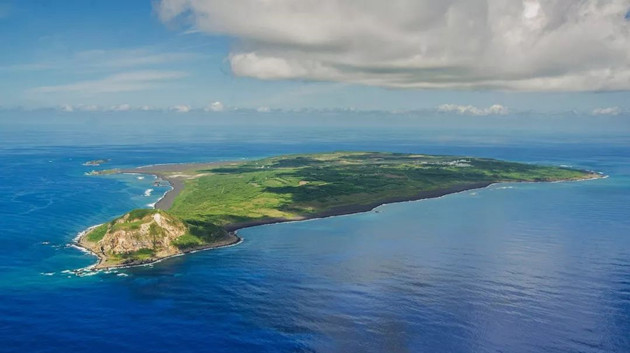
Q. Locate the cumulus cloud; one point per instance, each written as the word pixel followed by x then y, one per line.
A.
pixel 120 108
pixel 181 108
pixel 215 107
pixel 79 107
pixel 263 109
pixel 607 111
pixel 535 45
pixel 89 107
pixel 66 108
pixel 495 109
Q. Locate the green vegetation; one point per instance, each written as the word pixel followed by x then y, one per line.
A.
pixel 140 213
pixel 132 256
pixel 126 225
pixel 298 186
pixel 97 233
pixel 188 241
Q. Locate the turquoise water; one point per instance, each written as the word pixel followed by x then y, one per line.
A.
pixel 510 268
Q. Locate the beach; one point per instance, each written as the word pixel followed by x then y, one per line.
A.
pixel 352 209
pixel 176 181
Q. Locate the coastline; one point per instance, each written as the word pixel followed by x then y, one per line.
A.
pixel 177 185
pixel 424 195
pixel 166 201
pixel 231 240
pixel 163 203
pixel 176 182
pixel 232 229
pixel 354 209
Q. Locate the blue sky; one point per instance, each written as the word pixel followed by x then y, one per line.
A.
pixel 93 55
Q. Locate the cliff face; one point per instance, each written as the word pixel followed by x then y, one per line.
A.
pixel 155 232
pixel 139 236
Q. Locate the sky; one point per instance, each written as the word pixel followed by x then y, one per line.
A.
pixel 466 57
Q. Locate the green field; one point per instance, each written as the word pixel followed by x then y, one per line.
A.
pixel 298 186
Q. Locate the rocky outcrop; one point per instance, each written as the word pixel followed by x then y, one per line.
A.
pixel 156 232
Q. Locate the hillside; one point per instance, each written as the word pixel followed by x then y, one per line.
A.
pixel 140 236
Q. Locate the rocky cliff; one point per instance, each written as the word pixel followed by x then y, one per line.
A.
pixel 138 236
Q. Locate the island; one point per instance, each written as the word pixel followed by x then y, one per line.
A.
pixel 95 162
pixel 209 202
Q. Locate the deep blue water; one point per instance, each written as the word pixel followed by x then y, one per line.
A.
pixel 510 268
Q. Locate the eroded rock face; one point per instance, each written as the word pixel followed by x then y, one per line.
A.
pixel 154 231
pixel 137 237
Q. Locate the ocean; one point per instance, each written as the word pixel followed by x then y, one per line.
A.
pixel 531 267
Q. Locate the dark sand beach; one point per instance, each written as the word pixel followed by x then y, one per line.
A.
pixel 351 209
pixel 165 172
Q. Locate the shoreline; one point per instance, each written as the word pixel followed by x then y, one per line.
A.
pixel 232 229
pixel 163 203
pixel 424 195
pixel 166 200
pixel 232 240
pixel 177 184
pixel 354 209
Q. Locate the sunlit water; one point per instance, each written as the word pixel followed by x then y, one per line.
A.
pixel 509 268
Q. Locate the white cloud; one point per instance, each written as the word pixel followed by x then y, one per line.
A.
pixel 125 58
pixel 89 107
pixel 607 111
pixel 114 108
pixel 215 107
pixel 181 108
pixel 263 109
pixel 122 82
pixel 66 108
pixel 462 44
pixel 79 107
pixel 106 60
pixel 121 108
pixel 495 109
